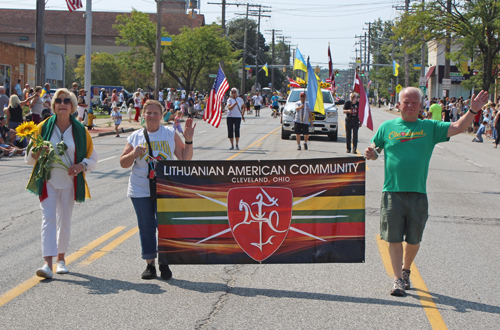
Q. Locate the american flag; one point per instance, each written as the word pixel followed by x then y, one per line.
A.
pixel 74 4
pixel 213 112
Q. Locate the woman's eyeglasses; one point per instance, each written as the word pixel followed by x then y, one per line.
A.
pixel 59 101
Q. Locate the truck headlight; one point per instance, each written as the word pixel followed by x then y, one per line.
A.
pixel 331 114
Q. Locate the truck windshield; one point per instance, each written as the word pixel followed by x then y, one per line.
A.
pixel 295 96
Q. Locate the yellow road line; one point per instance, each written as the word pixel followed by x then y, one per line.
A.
pixel 253 144
pixel 109 247
pixel 28 284
pixel 430 308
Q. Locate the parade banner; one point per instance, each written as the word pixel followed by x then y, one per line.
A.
pixel 268 211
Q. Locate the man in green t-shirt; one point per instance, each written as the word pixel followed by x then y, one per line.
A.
pixel 435 111
pixel 408 143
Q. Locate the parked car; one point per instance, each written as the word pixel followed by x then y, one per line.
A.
pixel 326 124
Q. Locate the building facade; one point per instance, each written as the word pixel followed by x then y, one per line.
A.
pixel 16 62
pixel 66 29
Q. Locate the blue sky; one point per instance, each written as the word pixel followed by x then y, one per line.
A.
pixel 310 25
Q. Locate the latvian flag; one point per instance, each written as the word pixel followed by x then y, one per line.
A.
pixel 365 114
pixel 213 112
pixel 293 83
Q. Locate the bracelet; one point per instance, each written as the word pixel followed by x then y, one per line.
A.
pixel 473 111
pixel 84 166
pixel 188 142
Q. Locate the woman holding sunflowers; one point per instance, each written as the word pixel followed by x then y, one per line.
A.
pixel 62 152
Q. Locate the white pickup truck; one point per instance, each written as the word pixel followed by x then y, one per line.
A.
pixel 326 124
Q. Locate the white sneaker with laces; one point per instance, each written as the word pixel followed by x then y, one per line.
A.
pixel 44 272
pixel 61 267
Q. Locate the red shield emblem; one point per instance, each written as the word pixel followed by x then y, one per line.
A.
pixel 259 218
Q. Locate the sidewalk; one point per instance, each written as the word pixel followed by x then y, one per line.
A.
pixel 105 126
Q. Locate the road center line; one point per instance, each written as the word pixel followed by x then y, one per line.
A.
pixel 109 247
pixel 105 159
pixel 253 144
pixel 430 308
pixel 28 284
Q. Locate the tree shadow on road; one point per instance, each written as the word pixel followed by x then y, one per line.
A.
pixel 97 285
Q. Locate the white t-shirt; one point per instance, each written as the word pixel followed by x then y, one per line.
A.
pixel 137 102
pixel 163 145
pixel 160 96
pixel 81 111
pixel 257 100
pixel 302 115
pixel 236 111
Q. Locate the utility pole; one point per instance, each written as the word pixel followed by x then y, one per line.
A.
pixel 369 49
pixel 40 43
pixel 447 49
pixel 224 16
pixel 88 51
pixel 158 49
pixel 259 14
pixel 393 87
pixel 422 59
pixel 407 56
pixel 244 57
pixel 272 69
pixel 273 44
pixel 257 55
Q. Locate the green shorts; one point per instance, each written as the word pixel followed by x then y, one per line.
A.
pixel 403 216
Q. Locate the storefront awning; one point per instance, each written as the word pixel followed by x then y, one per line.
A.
pixel 428 75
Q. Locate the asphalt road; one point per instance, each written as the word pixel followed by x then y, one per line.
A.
pixel 458 262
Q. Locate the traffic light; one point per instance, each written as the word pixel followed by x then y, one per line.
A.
pixel 362 73
pixel 337 73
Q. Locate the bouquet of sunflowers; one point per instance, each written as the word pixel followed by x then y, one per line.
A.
pixel 49 157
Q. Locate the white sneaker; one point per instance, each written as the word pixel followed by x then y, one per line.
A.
pixel 61 268
pixel 44 272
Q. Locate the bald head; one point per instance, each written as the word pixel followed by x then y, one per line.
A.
pixel 410 90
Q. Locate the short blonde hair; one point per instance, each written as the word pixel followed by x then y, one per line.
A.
pixel 152 102
pixel 71 96
pixel 353 95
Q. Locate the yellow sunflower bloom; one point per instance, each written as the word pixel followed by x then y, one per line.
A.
pixel 26 129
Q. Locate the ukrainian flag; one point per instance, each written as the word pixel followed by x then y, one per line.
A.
pixel 314 94
pixel 299 63
pixel 395 68
pixel 266 70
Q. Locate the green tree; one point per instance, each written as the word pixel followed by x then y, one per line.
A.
pixel 104 70
pixel 192 51
pixel 473 24
pixel 69 73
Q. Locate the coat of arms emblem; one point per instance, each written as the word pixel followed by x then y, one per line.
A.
pixel 259 218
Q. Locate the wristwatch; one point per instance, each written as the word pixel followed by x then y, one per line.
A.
pixel 84 166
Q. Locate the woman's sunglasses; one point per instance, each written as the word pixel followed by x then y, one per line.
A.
pixel 59 101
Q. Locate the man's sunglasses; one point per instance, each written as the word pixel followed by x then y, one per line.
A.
pixel 59 101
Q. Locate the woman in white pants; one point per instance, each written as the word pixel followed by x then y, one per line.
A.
pixel 58 194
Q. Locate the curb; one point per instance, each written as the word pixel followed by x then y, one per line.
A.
pixel 125 130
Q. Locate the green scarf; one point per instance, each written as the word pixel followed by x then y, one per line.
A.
pixel 39 187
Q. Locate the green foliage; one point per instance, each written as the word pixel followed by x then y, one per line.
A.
pixel 192 51
pixel 70 74
pixel 472 24
pixel 105 70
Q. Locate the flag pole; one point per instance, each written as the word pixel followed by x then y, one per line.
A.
pixel 88 50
